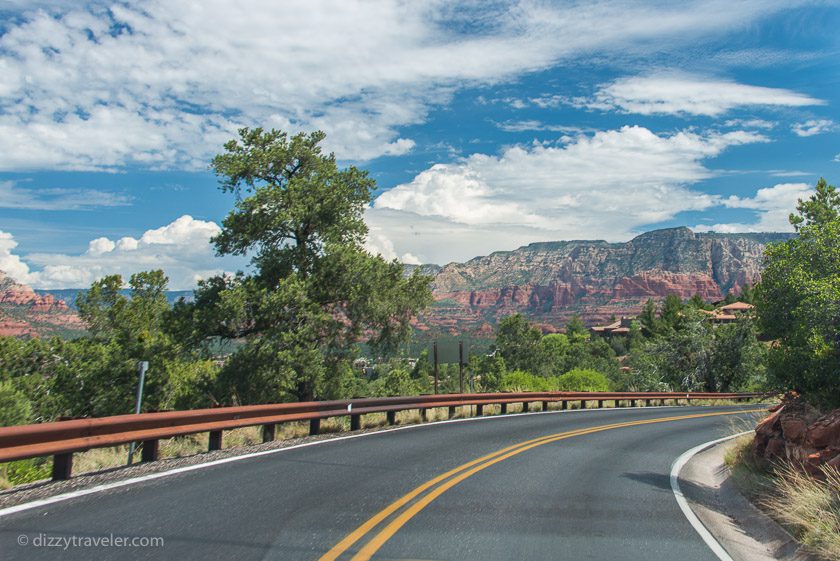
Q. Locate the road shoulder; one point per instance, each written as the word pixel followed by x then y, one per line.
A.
pixel 745 532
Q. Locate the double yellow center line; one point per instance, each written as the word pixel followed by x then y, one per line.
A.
pixel 454 476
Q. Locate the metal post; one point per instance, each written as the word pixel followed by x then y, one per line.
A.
pixel 142 366
pixel 268 432
pixel 461 365
pixel 314 426
pixel 149 453
pixel 434 351
pixel 355 422
pixel 451 412
pixel 62 466
pixel 392 417
pixel 504 408
pixel 214 442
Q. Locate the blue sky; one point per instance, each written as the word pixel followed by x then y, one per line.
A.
pixel 488 125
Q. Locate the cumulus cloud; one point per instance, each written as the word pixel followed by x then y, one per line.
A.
pixel 181 248
pixel 813 127
pixel 772 206
pixel 689 94
pixel 10 263
pixel 606 185
pixel 163 84
pixel 14 196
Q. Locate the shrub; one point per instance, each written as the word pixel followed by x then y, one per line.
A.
pixel 583 380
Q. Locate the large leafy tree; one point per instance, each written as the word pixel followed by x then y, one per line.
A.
pixel 313 291
pixel 798 300
pixel 518 342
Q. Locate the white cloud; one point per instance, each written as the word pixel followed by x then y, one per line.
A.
pixel 680 93
pixel 773 206
pixel 10 263
pixel 813 127
pixel 181 248
pixel 13 196
pixel 534 125
pixel 607 185
pixel 163 84
pixel 751 124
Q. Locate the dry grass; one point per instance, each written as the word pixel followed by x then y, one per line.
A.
pixel 808 507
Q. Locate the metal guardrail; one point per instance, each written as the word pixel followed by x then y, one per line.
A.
pixel 61 439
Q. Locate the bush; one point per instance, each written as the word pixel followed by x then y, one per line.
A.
pixel 583 380
pixel 15 408
pixel 520 381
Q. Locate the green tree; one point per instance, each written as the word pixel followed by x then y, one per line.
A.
pixel 649 317
pixel 821 208
pixel 518 342
pixel 314 291
pixel 488 371
pixel 576 330
pixel 798 301
pixel 672 316
pixel 552 354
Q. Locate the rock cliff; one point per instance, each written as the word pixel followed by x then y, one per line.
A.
pixel 551 281
pixel 25 313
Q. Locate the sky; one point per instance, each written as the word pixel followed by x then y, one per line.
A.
pixel 487 125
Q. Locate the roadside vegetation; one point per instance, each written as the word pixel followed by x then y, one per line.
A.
pixel 798 304
pixel 807 506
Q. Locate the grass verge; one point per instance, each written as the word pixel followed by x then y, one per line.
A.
pixel 808 507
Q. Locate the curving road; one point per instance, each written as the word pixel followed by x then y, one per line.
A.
pixel 559 485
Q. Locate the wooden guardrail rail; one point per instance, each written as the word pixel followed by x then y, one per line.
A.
pixel 61 439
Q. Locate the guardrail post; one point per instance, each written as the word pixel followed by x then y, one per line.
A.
pixel 314 426
pixel 617 403
pixel 355 422
pixel 215 440
pixel 564 405
pixel 149 452
pixel 268 432
pixel 504 408
pixel 423 416
pixel 451 411
pixel 62 466
pixel 392 417
pixel 600 403
pixel 525 407
pixel 479 410
pixel 648 402
pixel 632 403
pixel 545 406
pixel 583 404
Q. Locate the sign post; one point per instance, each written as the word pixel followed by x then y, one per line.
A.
pixel 142 366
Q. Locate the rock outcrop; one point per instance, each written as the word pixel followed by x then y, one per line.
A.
pixel 551 281
pixel 24 313
pixel 794 432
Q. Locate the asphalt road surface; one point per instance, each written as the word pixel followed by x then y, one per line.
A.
pixel 558 485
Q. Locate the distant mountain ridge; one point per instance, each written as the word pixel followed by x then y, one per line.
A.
pixel 551 281
pixel 546 281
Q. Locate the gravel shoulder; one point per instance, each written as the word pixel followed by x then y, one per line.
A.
pixel 745 532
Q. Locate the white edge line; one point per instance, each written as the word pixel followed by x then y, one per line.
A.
pixel 695 522
pixel 160 474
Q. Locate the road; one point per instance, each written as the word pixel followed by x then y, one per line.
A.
pixel 588 492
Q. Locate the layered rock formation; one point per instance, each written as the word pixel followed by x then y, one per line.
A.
pixel 551 281
pixel 794 432
pixel 26 313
